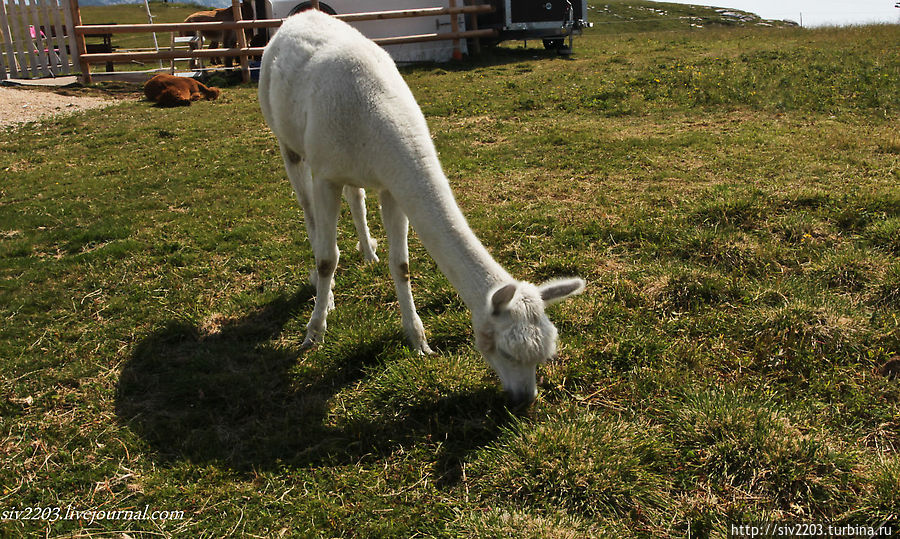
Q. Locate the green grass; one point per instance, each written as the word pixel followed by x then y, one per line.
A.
pixel 729 193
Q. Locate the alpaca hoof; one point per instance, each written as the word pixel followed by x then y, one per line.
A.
pixel 312 340
pixel 415 333
pixel 369 255
pixel 308 344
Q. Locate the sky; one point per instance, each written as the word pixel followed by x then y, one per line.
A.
pixel 813 12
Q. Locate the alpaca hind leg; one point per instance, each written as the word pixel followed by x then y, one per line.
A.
pixel 396 226
pixel 326 204
pixel 301 180
pixel 214 44
pixel 229 41
pixel 356 198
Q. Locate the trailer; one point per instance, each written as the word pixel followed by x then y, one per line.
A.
pixel 552 21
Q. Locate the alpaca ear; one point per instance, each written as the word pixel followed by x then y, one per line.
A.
pixel 502 297
pixel 559 289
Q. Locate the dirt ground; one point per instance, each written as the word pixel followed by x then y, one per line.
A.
pixel 27 104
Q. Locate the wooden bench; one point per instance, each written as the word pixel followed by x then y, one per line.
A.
pixel 105 46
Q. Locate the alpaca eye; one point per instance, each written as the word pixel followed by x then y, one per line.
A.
pixel 506 355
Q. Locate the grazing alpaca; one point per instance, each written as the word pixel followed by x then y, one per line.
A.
pixel 343 116
pixel 228 38
pixel 171 91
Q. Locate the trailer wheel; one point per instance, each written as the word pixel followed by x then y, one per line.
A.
pixel 554 44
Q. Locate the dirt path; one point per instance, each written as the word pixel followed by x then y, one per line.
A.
pixel 20 105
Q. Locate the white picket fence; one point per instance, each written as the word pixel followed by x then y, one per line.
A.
pixel 36 39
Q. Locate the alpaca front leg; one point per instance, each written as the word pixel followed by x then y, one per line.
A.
pixel 356 198
pixel 229 41
pixel 301 180
pixel 396 225
pixel 326 204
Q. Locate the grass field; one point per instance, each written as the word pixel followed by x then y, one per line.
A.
pixel 729 193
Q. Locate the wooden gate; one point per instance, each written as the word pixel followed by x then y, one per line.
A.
pixel 36 39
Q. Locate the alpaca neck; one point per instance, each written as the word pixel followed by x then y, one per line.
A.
pixel 424 194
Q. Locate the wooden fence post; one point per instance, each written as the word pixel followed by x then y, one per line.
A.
pixel 454 28
pixel 241 40
pixel 79 42
pixel 472 24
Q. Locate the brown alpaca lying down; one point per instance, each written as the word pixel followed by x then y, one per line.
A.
pixel 171 91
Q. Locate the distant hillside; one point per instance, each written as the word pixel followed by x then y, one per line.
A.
pixel 643 16
pixel 617 16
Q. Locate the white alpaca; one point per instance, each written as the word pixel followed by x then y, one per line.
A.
pixel 343 117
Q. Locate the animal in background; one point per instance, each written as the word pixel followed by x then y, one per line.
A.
pixel 171 91
pixel 227 38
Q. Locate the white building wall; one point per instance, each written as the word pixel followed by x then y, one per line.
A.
pixel 434 51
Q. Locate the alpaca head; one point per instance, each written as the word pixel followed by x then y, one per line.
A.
pixel 515 334
pixel 211 93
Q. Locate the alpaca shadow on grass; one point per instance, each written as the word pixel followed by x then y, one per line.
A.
pixel 236 396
